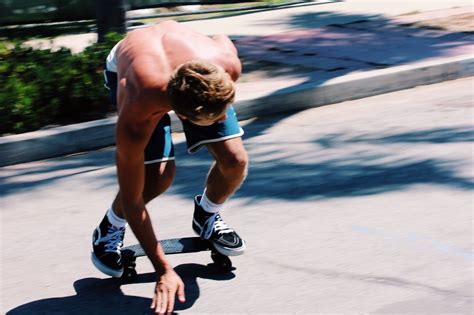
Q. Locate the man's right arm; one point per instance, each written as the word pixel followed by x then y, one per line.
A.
pixel 137 104
pixel 132 137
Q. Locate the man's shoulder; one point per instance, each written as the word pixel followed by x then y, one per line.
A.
pixel 144 70
pixel 144 86
pixel 142 102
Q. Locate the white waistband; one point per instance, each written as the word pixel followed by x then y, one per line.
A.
pixel 111 61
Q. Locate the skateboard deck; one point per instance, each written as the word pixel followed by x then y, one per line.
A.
pixel 173 246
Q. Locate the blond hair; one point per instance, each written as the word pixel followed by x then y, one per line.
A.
pixel 200 90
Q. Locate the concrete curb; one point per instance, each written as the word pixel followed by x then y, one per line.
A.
pixel 44 144
pixel 92 135
pixel 357 85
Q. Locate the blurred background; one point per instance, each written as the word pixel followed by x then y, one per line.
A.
pixel 46 85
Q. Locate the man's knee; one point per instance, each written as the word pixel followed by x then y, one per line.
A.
pixel 234 163
pixel 230 156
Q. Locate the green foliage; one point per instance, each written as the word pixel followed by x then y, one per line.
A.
pixel 44 87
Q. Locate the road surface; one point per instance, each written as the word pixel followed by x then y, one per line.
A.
pixel 359 207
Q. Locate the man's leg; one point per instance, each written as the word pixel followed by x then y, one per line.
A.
pixel 225 177
pixel 228 171
pixel 223 140
pixel 158 178
pixel 108 237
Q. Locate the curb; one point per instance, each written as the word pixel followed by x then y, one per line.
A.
pixel 92 135
pixel 357 85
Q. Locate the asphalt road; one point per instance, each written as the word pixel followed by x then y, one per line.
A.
pixel 359 207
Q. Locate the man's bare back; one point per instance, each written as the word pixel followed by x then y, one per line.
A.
pixel 147 58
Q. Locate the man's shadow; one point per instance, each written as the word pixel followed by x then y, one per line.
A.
pixel 104 296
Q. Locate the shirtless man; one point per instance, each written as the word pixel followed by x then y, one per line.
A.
pixel 152 71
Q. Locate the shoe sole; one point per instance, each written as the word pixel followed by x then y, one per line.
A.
pixel 226 251
pixel 230 251
pixel 104 269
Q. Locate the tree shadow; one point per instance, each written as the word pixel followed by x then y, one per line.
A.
pixel 435 136
pixel 367 39
pixel 370 172
pixel 334 44
pixel 21 177
pixel 104 296
pixel 343 178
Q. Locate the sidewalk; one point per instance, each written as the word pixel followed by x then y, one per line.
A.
pixel 306 56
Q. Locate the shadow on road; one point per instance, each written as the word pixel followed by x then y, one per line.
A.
pixel 104 296
pixel 316 177
pixel 370 172
pixel 24 177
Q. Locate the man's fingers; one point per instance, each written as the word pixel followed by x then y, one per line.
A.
pixel 164 301
pixel 171 301
pixel 166 291
pixel 158 301
pixel 181 296
pixel 153 302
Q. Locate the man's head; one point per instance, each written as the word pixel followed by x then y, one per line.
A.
pixel 201 92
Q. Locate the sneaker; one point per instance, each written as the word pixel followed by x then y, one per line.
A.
pixel 211 227
pixel 107 242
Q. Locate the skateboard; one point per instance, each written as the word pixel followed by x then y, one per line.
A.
pixel 222 263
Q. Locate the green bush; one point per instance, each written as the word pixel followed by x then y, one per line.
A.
pixel 44 87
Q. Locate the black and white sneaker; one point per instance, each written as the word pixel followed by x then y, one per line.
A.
pixel 211 227
pixel 107 242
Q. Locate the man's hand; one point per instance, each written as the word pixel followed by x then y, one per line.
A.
pixel 168 285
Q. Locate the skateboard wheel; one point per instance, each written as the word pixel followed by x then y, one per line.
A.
pixel 129 272
pixel 222 263
pixel 129 275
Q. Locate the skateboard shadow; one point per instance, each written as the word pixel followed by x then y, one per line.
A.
pixel 104 296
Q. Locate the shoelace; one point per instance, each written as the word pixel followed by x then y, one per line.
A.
pixel 214 224
pixel 113 240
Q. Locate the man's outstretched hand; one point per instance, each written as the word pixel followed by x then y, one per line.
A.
pixel 169 285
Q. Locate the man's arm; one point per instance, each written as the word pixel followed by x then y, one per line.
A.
pixel 132 137
pixel 139 98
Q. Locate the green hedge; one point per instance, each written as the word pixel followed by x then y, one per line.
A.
pixel 44 87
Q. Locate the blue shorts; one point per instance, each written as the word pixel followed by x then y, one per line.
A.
pixel 160 147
